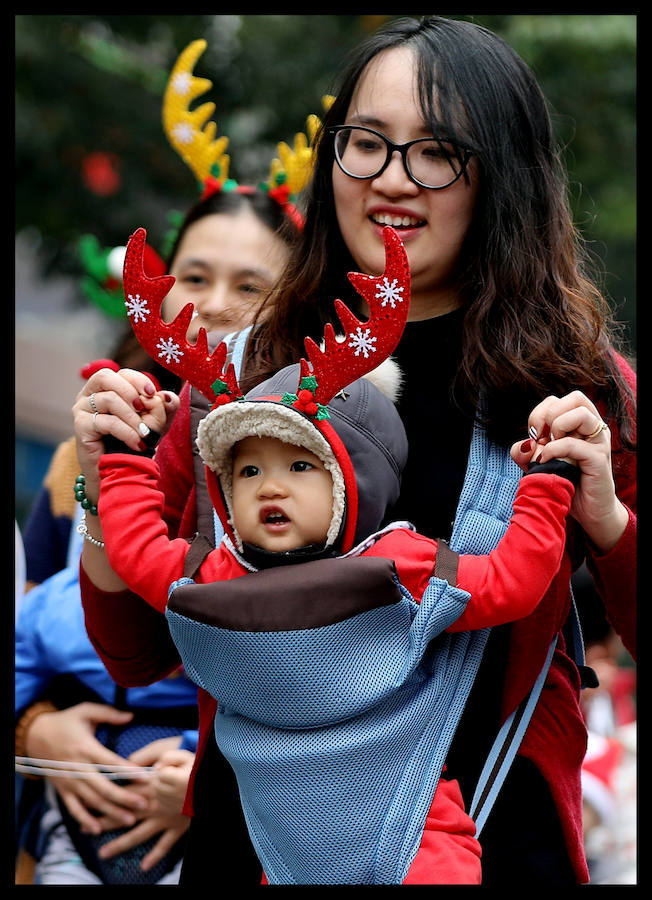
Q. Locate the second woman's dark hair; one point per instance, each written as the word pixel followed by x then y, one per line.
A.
pixel 230 203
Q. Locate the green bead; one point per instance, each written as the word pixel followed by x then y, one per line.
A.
pixel 80 479
pixel 86 503
pixel 79 496
pixel 92 510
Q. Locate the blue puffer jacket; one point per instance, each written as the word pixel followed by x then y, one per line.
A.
pixel 51 640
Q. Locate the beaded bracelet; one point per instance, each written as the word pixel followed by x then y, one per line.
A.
pixel 80 495
pixel 83 530
pixel 24 723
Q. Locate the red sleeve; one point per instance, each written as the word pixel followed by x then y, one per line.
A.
pixel 176 472
pixel 131 638
pixel 413 555
pixel 136 537
pixel 615 572
pixel 509 582
pixel 615 580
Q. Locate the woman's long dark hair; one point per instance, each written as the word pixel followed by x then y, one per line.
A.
pixel 535 322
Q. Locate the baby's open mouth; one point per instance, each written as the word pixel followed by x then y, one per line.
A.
pixel 273 517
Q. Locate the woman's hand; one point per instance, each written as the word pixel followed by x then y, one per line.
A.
pixel 170 782
pixel 165 792
pixel 69 735
pixel 571 427
pixel 124 404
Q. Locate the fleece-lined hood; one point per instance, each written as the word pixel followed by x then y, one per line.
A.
pixel 362 443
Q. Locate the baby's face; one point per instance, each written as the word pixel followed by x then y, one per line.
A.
pixel 282 494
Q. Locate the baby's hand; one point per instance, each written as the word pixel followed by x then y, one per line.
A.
pixel 155 413
pixel 525 452
pixel 154 416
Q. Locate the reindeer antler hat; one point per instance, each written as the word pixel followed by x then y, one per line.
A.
pixel 205 154
pixel 323 404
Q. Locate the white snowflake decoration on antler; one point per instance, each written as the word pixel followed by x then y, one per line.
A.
pixel 181 83
pixel 183 133
pixel 362 342
pixel 389 293
pixel 137 307
pixel 170 350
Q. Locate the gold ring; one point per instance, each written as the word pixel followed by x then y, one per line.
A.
pixel 601 427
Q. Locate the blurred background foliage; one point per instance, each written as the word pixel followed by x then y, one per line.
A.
pixel 91 155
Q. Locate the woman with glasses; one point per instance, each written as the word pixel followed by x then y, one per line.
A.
pixel 440 130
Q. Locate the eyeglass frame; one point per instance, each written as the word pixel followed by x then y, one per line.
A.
pixel 403 150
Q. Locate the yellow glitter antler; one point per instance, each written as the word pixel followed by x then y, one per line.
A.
pixel 293 168
pixel 195 144
pixel 295 164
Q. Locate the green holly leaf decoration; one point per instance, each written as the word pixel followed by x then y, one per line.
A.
pixel 219 387
pixel 309 383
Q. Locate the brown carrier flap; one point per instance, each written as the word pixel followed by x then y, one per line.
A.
pixel 291 598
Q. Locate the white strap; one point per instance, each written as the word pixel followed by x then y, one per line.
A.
pixel 58 768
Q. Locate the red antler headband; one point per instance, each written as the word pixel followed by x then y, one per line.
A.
pixel 363 347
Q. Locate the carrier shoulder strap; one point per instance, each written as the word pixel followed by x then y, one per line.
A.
pixel 209 528
pixel 483 514
pixel 504 749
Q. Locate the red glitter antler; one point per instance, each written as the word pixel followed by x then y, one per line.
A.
pixel 365 344
pixel 166 343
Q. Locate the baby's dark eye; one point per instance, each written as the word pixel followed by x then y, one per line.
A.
pixel 300 465
pixel 249 471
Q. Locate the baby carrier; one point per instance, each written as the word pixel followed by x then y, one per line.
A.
pixel 367 704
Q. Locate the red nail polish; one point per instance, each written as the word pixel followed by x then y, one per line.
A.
pixel 139 406
pixel 149 389
pixel 167 398
pixel 526 446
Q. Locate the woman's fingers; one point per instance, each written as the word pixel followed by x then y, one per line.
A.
pixel 124 404
pixel 555 417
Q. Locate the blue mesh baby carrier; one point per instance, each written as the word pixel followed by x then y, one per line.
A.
pixel 337 731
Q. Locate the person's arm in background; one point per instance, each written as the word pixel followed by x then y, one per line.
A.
pixel 46 532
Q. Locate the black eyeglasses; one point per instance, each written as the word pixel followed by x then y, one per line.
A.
pixel 431 163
